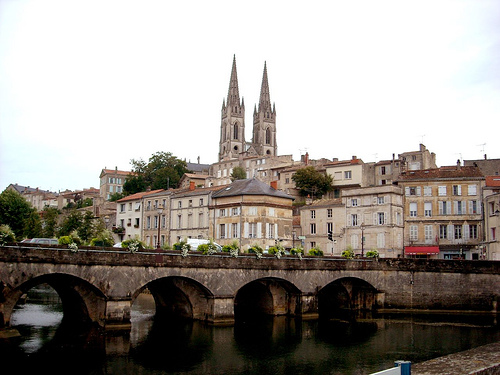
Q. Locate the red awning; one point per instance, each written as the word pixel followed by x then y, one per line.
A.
pixel 421 250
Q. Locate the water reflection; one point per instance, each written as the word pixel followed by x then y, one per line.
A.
pixel 259 345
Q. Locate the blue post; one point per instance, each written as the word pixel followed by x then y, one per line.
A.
pixel 405 367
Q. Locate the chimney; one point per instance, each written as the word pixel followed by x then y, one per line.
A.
pixel 458 163
pixel 306 158
pixel 198 160
pixel 191 185
pixel 274 185
pixel 354 157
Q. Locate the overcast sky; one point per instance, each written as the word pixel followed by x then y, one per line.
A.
pixel 86 85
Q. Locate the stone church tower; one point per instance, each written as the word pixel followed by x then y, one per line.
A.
pixel 232 130
pixel 264 122
pixel 232 137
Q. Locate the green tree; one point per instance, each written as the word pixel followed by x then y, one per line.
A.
pixel 239 173
pixel 16 212
pixel 50 219
pixel 33 225
pixel 70 223
pixel 86 228
pixel 162 171
pixel 311 182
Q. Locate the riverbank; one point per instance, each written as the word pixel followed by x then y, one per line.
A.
pixel 483 360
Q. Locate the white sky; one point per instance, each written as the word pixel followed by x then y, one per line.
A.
pixel 91 84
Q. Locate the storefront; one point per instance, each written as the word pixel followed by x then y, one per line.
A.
pixel 422 252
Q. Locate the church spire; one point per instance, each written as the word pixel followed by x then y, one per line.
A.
pixel 265 97
pixel 233 94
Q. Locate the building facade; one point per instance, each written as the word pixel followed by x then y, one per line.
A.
pixel 251 213
pixel 490 248
pixel 443 212
pixel 111 182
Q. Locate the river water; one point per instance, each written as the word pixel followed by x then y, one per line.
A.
pixel 259 346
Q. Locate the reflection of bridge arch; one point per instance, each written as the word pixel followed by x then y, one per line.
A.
pixel 268 296
pixel 347 293
pixel 82 302
pixel 181 297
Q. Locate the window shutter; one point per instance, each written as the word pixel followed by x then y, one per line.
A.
pixel 459 189
pixel 450 232
pixel 466 231
pixel 455 207
pixel 268 235
pixel 385 218
pixel 374 200
pixel 259 230
pixel 419 191
pixel 375 218
pixel 238 230
pixel 407 191
pixel 275 230
pixel 217 232
pixel 479 208
pixel 349 220
pixel 245 227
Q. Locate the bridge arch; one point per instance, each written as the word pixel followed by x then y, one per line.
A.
pixel 346 294
pixel 181 297
pixel 267 296
pixel 82 302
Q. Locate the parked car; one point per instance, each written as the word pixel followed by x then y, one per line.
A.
pixel 45 241
pixel 195 242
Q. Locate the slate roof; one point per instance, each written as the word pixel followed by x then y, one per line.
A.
pixel 250 186
pixel 452 172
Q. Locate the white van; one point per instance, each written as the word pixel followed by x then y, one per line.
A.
pixel 195 242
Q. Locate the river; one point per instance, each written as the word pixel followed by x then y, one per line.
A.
pixel 264 345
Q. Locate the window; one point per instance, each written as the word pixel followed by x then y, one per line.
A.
pixel 382 170
pixel 443 232
pixel 458 232
pixel 313 228
pixel 222 212
pixel 252 210
pixel 472 189
pixel 354 220
pixel 252 230
pixel 347 175
pixel 179 205
pixel 354 241
pixel 457 189
pixel 329 213
pixel 380 200
pixel 190 221
pixel 234 230
pixel 271 230
pixel 380 218
pixel 271 212
pixel 459 208
pixel 337 176
pixel 222 231
pixel 235 211
pixel 201 220
pixel 473 231
pixel 313 214
pixel 122 207
pixel 413 209
pixel 329 227
pixel 381 240
pixel 156 222
pixel 201 202
pixel 474 207
pixel 444 208
pixel 413 232
pixel 190 203
pixel 235 131
pixel 148 222
pixel 268 136
pixel 427 191
pixel 442 191
pixel 428 233
pixel 428 209
pixel 354 202
pixel 179 221
pixel 493 232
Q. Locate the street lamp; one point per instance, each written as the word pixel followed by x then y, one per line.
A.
pixel 362 227
pixel 160 211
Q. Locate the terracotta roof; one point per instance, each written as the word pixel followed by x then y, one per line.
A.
pixel 138 195
pixel 493 181
pixel 115 171
pixel 250 187
pixel 442 173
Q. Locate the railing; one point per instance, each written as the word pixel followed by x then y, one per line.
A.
pixel 400 368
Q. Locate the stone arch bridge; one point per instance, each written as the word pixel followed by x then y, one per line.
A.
pixel 100 285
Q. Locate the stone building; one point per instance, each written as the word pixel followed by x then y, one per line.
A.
pixel 156 218
pixel 317 219
pixel 374 220
pixel 443 214
pixel 490 248
pixel 251 212
pixel 129 215
pixel 189 213
pixel 111 182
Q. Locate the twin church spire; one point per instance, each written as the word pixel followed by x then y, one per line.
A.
pixel 232 143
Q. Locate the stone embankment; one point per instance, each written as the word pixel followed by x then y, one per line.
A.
pixel 484 360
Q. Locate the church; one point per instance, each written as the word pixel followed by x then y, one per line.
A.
pixel 234 149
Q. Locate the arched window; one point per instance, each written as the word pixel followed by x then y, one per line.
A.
pixel 268 136
pixel 235 131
